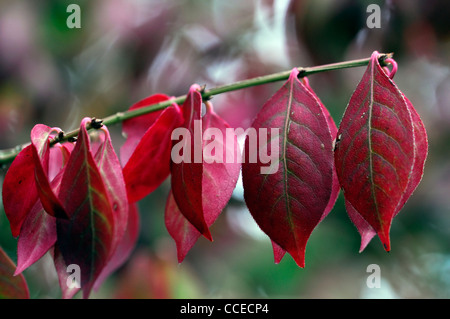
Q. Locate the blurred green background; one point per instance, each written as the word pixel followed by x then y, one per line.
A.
pixel 127 50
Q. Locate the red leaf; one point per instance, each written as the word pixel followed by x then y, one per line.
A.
pixel 19 180
pixel 87 238
pixel 421 148
pixel 186 179
pixel 134 129
pixel 109 167
pixel 218 181
pixel 375 157
pixel 277 250
pixel 149 164
pixel 11 287
pixel 38 233
pixel 40 142
pixel 289 203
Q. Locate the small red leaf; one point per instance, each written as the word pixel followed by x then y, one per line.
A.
pixel 375 157
pixel 109 167
pixel 19 180
pixel 86 239
pixel 278 252
pixel 37 236
pixel 186 178
pixel 289 202
pixel 365 230
pixel 420 151
pixel 11 287
pixel 134 129
pixel 149 164
pixel 40 142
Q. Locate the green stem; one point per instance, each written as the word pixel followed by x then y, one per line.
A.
pixel 7 156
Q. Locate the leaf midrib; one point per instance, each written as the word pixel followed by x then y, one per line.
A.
pixel 285 134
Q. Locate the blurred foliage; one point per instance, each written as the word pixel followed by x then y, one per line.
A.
pixel 127 50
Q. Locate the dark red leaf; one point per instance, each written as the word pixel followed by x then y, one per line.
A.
pixel 19 180
pixel 11 287
pixel 186 178
pixel 179 228
pixel 375 157
pixel 277 250
pixel 289 202
pixel 149 164
pixel 87 238
pixel 421 149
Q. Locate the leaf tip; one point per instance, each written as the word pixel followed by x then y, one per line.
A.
pixel 207 234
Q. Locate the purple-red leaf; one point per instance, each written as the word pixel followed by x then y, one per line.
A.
pixel 288 203
pixel 11 287
pixel 187 170
pixel 180 229
pixel 87 238
pixel 218 181
pixel 149 164
pixel 421 149
pixel 19 180
pixel 382 148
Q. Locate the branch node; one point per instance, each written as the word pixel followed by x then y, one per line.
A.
pixel 301 73
pixel 96 123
